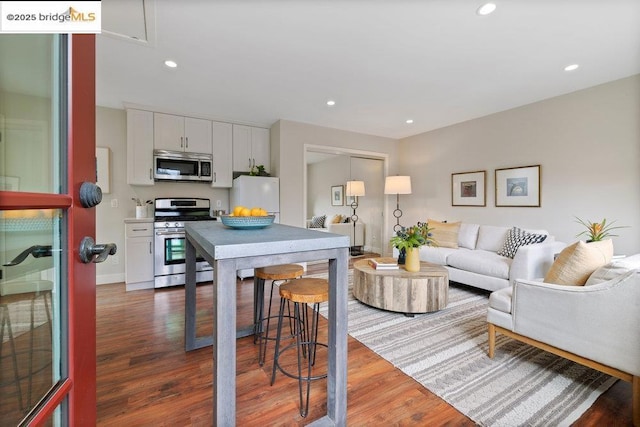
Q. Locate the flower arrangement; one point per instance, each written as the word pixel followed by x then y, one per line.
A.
pixel 597 231
pixel 413 237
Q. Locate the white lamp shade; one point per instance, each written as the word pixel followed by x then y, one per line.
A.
pixel 355 188
pixel 397 185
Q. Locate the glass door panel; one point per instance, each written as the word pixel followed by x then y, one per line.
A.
pixel 33 250
pixel 29 309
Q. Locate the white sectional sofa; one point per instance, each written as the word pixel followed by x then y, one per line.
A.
pixel 474 260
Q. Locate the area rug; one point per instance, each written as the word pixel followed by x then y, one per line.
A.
pixel 446 352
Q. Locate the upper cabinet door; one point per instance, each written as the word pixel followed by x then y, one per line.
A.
pixel 261 148
pixel 242 160
pixel 222 155
pixel 168 132
pixel 139 147
pixel 197 135
pixel 178 133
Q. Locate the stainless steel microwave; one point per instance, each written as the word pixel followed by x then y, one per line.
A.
pixel 181 166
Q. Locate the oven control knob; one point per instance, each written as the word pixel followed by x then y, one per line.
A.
pixel 166 224
pixel 176 225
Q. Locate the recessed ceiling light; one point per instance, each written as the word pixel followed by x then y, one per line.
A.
pixel 171 64
pixel 486 9
pixel 571 67
pixel 409 121
pixel 331 103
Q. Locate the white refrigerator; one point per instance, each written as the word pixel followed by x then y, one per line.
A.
pixel 256 191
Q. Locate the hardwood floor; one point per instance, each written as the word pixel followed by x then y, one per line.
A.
pixel 145 378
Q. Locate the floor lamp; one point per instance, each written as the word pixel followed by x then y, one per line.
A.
pixel 355 189
pixel 397 185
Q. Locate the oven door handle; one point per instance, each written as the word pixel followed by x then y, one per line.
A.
pixel 169 233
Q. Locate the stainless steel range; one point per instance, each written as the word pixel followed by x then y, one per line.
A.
pixel 169 240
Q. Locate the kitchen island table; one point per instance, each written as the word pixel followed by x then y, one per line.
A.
pixel 229 250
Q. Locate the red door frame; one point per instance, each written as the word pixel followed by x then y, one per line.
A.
pixel 80 385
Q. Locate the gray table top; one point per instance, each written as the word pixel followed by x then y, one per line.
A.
pixel 222 242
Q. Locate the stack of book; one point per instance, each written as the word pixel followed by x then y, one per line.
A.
pixel 384 263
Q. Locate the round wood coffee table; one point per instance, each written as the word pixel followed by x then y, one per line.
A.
pixel 400 290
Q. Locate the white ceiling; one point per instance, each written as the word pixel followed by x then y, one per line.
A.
pixel 434 61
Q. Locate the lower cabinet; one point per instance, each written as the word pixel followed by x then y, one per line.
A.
pixel 139 255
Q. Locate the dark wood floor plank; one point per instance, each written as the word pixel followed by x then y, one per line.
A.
pixel 145 378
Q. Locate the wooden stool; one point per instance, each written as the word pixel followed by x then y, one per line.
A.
pixel 302 292
pixel 274 273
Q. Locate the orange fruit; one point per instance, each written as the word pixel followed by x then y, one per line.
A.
pixel 256 211
pixel 245 212
pixel 237 210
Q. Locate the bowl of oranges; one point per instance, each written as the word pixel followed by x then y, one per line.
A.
pixel 245 218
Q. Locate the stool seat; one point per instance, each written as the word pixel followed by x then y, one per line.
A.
pixel 279 272
pixel 305 290
pixel 275 273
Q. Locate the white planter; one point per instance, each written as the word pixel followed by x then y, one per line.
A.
pixel 141 211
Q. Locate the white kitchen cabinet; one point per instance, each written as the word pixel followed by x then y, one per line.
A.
pixel 139 147
pixel 251 147
pixel 139 255
pixel 222 155
pixel 178 133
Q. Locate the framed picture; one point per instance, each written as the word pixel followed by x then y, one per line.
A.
pixel 337 195
pixel 518 186
pixel 468 189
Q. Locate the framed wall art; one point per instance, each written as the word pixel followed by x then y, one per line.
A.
pixel 468 189
pixel 337 195
pixel 519 186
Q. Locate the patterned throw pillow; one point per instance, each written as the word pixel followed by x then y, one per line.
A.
pixel 318 221
pixel 516 238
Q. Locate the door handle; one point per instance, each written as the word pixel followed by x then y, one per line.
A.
pixel 92 252
pixel 90 194
pixel 38 251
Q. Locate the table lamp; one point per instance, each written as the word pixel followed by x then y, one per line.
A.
pixel 397 185
pixel 355 189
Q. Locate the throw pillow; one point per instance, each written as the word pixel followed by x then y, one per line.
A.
pixel 578 261
pixel 337 219
pixel 614 269
pixel 445 234
pixel 318 221
pixel 517 237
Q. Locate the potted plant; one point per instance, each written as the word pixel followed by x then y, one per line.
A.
pixel 596 231
pixel 409 240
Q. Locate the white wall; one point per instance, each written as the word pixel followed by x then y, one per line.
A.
pixel 111 132
pixel 339 169
pixel 588 146
pixel 321 176
pixel 288 141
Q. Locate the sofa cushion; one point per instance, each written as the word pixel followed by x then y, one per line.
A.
pixel 613 269
pixel 501 299
pixel 436 255
pixel 317 221
pixel 445 234
pixel 468 235
pixel 479 261
pixel 517 237
pixel 578 261
pixel 491 238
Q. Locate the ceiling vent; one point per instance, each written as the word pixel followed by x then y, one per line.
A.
pixel 132 20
